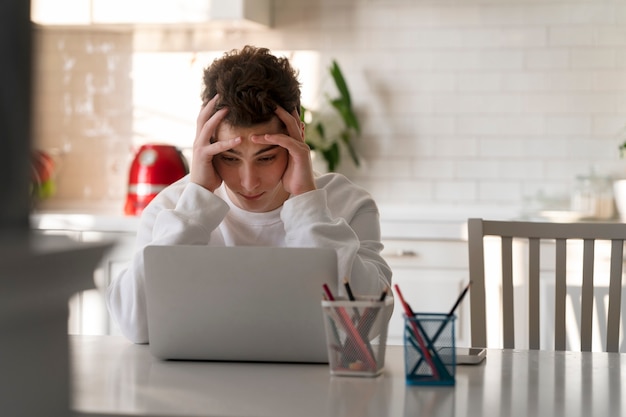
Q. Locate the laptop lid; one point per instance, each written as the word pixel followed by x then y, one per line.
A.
pixel 238 303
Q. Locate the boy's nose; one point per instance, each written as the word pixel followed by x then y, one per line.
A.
pixel 249 177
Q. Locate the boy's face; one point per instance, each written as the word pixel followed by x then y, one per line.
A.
pixel 253 172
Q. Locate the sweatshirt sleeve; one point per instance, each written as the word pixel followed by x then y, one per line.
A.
pixel 309 223
pixel 184 214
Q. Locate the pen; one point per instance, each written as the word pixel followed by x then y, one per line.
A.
pixel 409 312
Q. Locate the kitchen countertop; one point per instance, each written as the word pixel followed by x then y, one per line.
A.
pixel 435 221
pixel 80 222
pixel 397 222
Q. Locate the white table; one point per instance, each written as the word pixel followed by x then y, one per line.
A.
pixel 113 376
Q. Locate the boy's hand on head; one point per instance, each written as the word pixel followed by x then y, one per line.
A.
pixel 298 177
pixel 204 148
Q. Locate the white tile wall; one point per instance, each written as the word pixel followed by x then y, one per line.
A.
pixel 463 102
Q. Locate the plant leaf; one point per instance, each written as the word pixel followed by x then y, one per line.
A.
pixel 340 82
pixel 303 111
pixel 347 114
pixel 331 156
pixel 345 137
pixel 344 103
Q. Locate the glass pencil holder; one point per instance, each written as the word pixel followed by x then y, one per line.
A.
pixel 429 349
pixel 356 335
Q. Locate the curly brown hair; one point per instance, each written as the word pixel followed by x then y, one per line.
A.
pixel 251 82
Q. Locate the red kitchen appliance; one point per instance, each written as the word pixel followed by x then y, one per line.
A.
pixel 153 168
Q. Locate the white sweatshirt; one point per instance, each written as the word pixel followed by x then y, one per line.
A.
pixel 338 214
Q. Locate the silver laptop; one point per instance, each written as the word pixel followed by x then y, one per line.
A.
pixel 238 303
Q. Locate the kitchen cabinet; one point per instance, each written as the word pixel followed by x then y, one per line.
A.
pixel 88 313
pixel 431 273
pixel 96 319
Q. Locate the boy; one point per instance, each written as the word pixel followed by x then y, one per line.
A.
pixel 251 183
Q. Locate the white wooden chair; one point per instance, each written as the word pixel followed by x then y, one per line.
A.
pixel 534 233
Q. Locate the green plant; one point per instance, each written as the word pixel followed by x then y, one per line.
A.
pixel 327 131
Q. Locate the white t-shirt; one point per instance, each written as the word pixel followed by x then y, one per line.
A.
pixel 338 215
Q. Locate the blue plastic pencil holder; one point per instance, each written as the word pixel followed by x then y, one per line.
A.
pixel 429 349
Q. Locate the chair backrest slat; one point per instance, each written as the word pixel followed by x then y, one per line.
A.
pixel 586 310
pixel 508 312
pixel 560 294
pixel 615 296
pixel 478 318
pixel 533 293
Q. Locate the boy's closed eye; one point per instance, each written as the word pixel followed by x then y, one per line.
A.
pixel 267 158
pixel 228 158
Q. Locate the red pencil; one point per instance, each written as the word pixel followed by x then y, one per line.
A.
pixel 409 312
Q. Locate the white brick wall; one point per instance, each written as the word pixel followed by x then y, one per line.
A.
pixel 506 99
pixel 463 102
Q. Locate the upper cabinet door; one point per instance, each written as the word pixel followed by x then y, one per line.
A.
pixel 60 12
pixel 150 11
pixel 240 13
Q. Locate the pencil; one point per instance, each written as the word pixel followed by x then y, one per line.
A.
pixel 329 294
pixel 331 321
pixel 459 299
pixel 369 316
pixel 425 353
pixel 451 312
pixel 346 285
